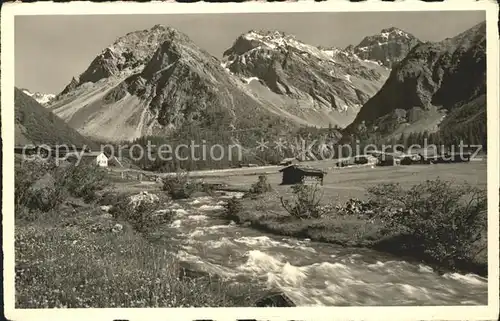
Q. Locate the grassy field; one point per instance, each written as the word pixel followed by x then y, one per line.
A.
pixel 344 183
pixel 341 183
pixel 74 260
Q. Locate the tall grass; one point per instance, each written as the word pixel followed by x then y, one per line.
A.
pixel 77 267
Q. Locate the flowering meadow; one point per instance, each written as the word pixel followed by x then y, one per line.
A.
pixel 74 257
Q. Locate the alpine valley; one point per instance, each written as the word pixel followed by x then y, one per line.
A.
pixel 157 82
pixel 239 169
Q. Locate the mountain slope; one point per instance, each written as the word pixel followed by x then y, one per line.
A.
pixel 328 84
pixel 427 90
pixel 34 124
pixel 156 82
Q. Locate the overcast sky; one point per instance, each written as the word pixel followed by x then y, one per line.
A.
pixel 49 50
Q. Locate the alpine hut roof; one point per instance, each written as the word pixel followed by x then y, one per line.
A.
pixel 306 170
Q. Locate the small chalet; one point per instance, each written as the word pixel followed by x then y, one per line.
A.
pixel 295 174
pixel 430 156
pixel 344 162
pixel 365 159
pixel 360 160
pixel 411 159
pixel 100 158
pixel 389 159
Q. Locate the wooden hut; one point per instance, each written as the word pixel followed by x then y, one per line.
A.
pixel 294 174
pixel 388 159
pixel 411 159
pixel 344 162
pixel 361 159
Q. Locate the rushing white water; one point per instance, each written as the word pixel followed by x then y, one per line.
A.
pixel 310 273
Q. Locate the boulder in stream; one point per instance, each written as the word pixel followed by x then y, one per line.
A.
pixel 275 299
pixel 143 197
pixel 188 272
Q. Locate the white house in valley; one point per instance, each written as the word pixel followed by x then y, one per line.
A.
pixel 97 158
pixel 94 158
pixel 101 160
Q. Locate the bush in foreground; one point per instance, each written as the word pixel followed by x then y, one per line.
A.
pixel 441 220
pixel 141 216
pixel 306 202
pixel 179 186
pixel 36 187
pixel 261 186
pixel 40 185
pixel 84 180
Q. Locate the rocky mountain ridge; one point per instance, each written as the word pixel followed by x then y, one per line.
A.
pixel 156 81
pixel 127 54
pixel 436 83
pixel 168 83
pixel 388 47
pixel 332 77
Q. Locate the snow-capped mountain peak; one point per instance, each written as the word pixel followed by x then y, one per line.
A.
pixel 394 32
pixel 275 36
pixel 331 78
pixel 270 39
pixel 279 42
pixel 41 98
pixel 388 46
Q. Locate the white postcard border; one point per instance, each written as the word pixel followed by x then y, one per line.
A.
pixel 489 312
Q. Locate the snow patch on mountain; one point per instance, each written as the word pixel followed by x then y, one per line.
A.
pixel 277 40
pixel 41 98
pixel 250 79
